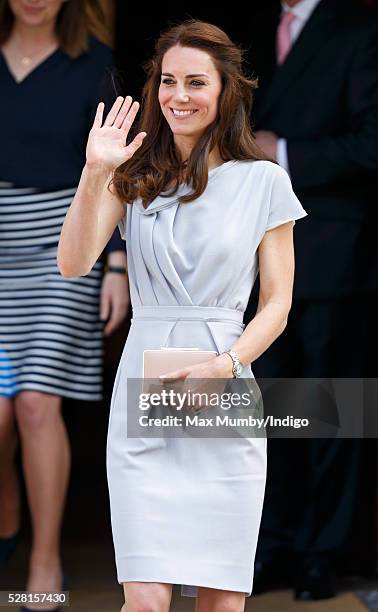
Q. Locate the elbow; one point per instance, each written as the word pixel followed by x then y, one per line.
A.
pixel 62 267
pixel 62 263
pixel 281 326
pixel 65 271
pixel 285 316
pixel 68 271
pixel 69 268
pixel 284 325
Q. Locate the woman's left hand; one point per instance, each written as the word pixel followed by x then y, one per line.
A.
pixel 115 300
pixel 209 374
pixel 218 367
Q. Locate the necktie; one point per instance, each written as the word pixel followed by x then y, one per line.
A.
pixel 284 37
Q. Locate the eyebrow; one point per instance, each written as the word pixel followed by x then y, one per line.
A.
pixel 188 76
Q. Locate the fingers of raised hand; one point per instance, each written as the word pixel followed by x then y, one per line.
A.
pixel 128 119
pixel 114 111
pixel 99 115
pixel 122 113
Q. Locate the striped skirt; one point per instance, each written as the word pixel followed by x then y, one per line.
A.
pixel 50 332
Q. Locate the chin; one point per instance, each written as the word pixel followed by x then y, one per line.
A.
pixel 29 17
pixel 182 131
pixel 32 20
pixel 185 130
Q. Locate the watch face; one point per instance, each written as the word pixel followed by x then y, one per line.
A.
pixel 238 369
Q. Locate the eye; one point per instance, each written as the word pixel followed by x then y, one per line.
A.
pixel 167 81
pixel 196 83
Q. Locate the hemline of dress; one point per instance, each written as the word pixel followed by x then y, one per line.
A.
pixel 226 578
pixel 191 589
pixel 90 397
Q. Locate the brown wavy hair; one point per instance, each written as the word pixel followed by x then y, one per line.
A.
pixel 157 163
pixel 76 20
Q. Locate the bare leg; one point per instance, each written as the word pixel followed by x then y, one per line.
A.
pixel 151 596
pixel 217 600
pixel 46 464
pixel 9 484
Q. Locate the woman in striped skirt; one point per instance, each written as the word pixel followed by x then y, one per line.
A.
pixel 51 76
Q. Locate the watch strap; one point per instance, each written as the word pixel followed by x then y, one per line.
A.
pixel 236 363
pixel 116 269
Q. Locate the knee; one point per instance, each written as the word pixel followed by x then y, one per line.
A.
pixel 225 603
pixel 145 602
pixel 33 410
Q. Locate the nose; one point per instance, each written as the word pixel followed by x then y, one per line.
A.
pixel 181 95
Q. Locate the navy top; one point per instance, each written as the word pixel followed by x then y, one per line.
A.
pixel 47 116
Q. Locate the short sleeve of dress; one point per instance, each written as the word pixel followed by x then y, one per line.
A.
pixel 284 205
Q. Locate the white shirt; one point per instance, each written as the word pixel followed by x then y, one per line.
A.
pixel 302 12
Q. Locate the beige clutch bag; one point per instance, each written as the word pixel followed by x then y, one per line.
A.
pixel 158 362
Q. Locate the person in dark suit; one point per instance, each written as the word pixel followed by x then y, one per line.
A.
pixel 316 113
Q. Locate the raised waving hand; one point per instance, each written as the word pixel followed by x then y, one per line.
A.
pixel 107 139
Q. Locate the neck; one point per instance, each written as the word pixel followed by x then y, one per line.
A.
pixel 215 159
pixel 186 145
pixel 34 37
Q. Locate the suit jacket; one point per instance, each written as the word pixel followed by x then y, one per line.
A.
pixel 324 101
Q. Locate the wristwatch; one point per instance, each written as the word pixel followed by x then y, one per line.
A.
pixel 116 269
pixel 237 366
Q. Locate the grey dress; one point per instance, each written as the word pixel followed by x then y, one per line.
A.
pixel 187 511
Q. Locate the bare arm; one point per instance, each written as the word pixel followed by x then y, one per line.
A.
pixel 95 211
pixel 89 223
pixel 276 263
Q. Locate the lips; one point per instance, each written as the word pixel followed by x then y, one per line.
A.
pixel 183 113
pixel 33 9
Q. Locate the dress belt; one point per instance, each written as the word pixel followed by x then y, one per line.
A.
pixel 187 313
pixel 176 314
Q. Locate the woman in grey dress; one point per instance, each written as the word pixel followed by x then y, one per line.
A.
pixel 197 203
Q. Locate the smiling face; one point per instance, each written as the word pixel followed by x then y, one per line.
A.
pixel 189 91
pixel 35 12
